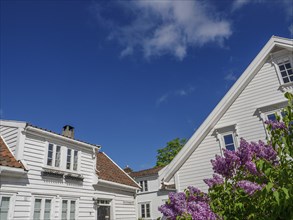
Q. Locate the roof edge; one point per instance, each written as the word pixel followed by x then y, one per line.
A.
pixel 120 169
pixel 223 105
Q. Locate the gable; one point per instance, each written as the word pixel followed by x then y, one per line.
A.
pixel 275 43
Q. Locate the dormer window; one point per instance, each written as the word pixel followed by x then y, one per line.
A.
pixel 54 155
pixel 144 185
pixel 62 157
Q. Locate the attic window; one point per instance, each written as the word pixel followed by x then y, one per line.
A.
pixel 286 71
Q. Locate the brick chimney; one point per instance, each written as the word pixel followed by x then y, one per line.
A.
pixel 68 131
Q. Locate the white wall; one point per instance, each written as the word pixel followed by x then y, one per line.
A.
pixel 262 90
pixel 24 189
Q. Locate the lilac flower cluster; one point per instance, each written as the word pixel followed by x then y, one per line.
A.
pixel 276 125
pixel 243 157
pixel 193 203
pixel 216 180
pixel 249 187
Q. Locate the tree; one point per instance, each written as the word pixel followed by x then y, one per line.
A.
pixel 165 155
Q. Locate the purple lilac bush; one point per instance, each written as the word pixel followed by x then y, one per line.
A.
pixel 253 182
pixel 192 204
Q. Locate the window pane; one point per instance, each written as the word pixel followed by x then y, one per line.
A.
pixel 290 72
pixel 286 79
pixel 145 185
pixel 148 212
pixel 57 156
pixel 64 210
pixel 272 117
pixel 291 78
pixel 75 160
pixel 142 211
pixel 284 73
pixel 282 67
pixel 228 139
pixel 47 210
pixel 50 155
pixel 68 159
pixel 230 147
pixel 72 210
pixel 288 66
pixel 4 207
pixel 37 209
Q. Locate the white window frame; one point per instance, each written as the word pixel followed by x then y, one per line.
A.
pixel 72 159
pixel 144 185
pixel 68 208
pixel 43 199
pixel 145 210
pixel 276 59
pixel 63 158
pixel 227 130
pixel 111 204
pixel 11 197
pixel 53 156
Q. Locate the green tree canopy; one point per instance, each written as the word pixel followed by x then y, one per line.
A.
pixel 165 155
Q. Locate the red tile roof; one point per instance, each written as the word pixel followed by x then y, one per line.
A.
pixel 7 158
pixel 109 171
pixel 147 172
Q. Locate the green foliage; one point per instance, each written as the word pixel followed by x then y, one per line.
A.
pixel 166 154
pixel 275 200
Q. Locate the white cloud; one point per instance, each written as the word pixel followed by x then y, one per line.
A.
pixel 237 4
pixel 162 99
pixel 230 77
pixel 168 27
pixel 177 93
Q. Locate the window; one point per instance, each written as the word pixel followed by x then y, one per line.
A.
pixel 286 71
pixel 145 210
pixel 227 137
pixel 229 142
pixel 68 210
pixel 72 159
pixel 42 209
pixel 4 207
pixel 54 155
pixel 143 185
pixel 68 162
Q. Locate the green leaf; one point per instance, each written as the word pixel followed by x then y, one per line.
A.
pixel 276 195
pixel 286 192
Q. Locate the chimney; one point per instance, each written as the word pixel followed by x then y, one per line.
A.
pixel 128 170
pixel 68 131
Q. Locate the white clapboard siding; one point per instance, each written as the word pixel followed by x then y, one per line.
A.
pixel 25 189
pixel 10 135
pixel 263 89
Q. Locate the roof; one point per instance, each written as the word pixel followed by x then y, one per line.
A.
pixel 7 158
pixel 224 104
pixel 110 171
pixel 147 172
pixel 44 129
pixel 26 125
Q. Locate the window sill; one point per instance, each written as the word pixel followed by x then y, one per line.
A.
pixel 286 87
pixel 59 173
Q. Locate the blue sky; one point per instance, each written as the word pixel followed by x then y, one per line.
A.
pixel 129 75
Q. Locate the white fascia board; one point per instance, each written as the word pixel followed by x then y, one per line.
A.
pixel 121 169
pixel 116 185
pixel 42 133
pixel 223 105
pixel 11 123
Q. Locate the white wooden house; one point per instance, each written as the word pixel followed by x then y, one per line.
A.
pixel 255 96
pixel 45 175
pixel 151 195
